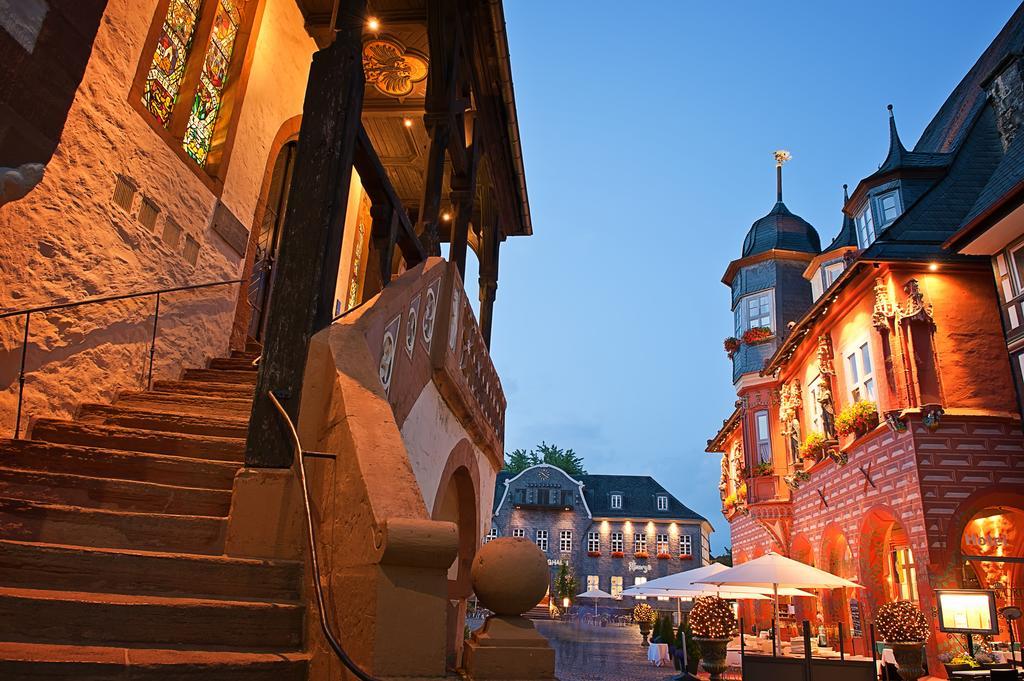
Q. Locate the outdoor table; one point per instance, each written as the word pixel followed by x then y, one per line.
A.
pixel 733 659
pixel 657 654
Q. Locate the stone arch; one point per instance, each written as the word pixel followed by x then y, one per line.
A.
pixel 457 500
pixel 836 556
pixel 288 132
pixel 802 550
pixel 881 529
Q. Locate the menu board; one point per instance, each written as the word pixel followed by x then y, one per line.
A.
pixel 857 626
pixel 967 611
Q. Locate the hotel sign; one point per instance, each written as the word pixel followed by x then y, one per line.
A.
pixel 639 567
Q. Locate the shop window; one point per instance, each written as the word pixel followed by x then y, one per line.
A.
pixel 593 582
pixel 617 544
pixel 518 532
pixel 491 534
pixel 593 541
pixel 662 502
pixel 860 377
pixel 616 501
pixel 565 541
pixel 542 540
pixel 616 591
pixel 904 574
pixel 764 441
pixel 637 581
pixel 189 82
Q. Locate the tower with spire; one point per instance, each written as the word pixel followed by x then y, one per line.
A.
pixel 768 287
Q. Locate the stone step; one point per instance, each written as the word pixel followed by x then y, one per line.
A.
pixel 234 363
pixel 183 403
pixel 105 463
pixel 76 568
pixel 111 494
pixel 53 662
pixel 231 390
pixel 44 616
pixel 253 346
pixel 60 524
pixel 136 440
pixel 127 417
pixel 240 354
pixel 220 376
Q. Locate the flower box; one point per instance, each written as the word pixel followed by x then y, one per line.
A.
pixel 685 556
pixel 731 345
pixel 858 419
pixel 618 554
pixel 764 468
pixel 641 554
pixel 664 556
pixel 813 446
pixel 758 334
pixel 593 554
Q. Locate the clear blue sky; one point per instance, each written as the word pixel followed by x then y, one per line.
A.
pixel 648 138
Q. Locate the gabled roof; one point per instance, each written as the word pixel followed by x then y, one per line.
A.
pixel 1006 177
pixel 782 230
pixel 638 496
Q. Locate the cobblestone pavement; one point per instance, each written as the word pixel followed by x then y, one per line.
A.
pixel 588 653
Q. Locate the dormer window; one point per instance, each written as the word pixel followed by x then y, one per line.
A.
pixel 865 226
pixel 662 502
pixel 888 207
pixel 831 272
pixel 754 311
pixel 617 501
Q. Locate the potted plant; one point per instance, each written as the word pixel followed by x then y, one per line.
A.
pixel 961 662
pixel 732 345
pixel 713 624
pixel 685 635
pixel 813 446
pixel 857 419
pixel 904 627
pixel 764 468
pixel 643 615
pixel 757 334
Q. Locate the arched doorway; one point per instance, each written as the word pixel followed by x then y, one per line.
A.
pixel 805 608
pixel 268 239
pixel 837 558
pixel 889 563
pixel 457 502
pixel 991 556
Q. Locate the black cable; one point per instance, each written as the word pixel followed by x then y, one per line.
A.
pixel 318 588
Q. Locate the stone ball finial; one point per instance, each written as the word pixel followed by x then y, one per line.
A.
pixel 510 575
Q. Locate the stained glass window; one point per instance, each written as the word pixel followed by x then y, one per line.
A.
pixel 212 80
pixel 163 81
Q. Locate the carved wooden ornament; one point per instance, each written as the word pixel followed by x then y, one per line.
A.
pixel 391 68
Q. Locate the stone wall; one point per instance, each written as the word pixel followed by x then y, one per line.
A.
pixel 69 239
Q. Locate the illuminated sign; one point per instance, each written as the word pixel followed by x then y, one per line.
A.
pixel 967 611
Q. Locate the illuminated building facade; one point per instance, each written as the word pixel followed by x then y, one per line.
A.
pixel 614 531
pixel 876 433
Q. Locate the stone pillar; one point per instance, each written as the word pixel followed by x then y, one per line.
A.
pixel 510 576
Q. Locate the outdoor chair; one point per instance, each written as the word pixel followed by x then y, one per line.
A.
pixel 1003 674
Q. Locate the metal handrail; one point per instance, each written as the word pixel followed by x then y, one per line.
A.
pixel 29 311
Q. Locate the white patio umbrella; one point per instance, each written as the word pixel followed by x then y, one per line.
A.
pixel 690 581
pixel 595 594
pixel 777 572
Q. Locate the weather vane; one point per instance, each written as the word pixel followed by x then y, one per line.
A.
pixel 781 156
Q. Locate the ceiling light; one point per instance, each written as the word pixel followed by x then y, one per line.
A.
pixel 933 266
pixel 407 122
pixel 446 216
pixel 373 24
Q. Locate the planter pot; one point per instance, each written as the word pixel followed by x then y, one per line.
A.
pixel 909 659
pixel 712 656
pixel 645 631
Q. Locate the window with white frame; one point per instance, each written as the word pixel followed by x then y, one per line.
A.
pixel 593 541
pixel 754 311
pixel 616 591
pixel 860 377
pixel 865 225
pixel 640 542
pixel 662 502
pixel 617 546
pixel 888 207
pixel 565 540
pixel 637 581
pixel 616 501
pixel 491 534
pixel 764 436
pixel 685 545
pixel 518 532
pixel 542 540
pixel 1016 262
pixel 662 543
pixel 593 582
pixel 831 272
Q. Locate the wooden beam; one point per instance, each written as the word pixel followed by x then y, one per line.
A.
pixel 488 270
pixel 307 265
pixel 383 236
pixel 463 197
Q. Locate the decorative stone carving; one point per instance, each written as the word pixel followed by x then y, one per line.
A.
pixel 796 479
pixel 884 308
pixel 789 403
pixel 824 392
pixel 894 421
pixel 915 308
pixel 931 416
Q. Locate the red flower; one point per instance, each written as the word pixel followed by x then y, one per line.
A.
pixel 617 554
pixel 594 554
pixel 664 556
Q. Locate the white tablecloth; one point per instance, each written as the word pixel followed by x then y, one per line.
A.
pixel 657 653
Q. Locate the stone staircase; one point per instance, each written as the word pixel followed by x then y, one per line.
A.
pixel 112 530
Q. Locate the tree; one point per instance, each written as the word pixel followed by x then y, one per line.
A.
pixel 566 459
pixel 565 583
pixel 725 558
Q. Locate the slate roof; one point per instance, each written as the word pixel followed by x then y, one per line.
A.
pixel 638 497
pixel 781 229
pixel 1007 175
pixel 847 235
